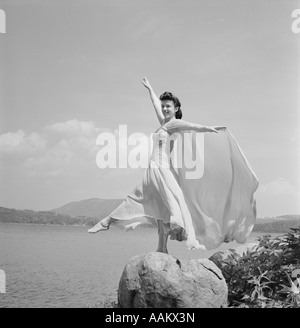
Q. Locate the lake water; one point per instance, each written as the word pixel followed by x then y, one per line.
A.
pixel 64 266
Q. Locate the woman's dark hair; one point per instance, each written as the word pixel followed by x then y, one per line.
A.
pixel 170 96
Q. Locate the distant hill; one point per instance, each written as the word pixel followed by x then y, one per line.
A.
pixel 89 211
pixel 280 224
pixel 85 212
pixel 281 217
pixel 291 217
pixel 11 215
pixel 93 207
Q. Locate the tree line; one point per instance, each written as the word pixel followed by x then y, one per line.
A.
pixel 8 215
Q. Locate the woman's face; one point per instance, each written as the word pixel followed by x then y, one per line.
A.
pixel 168 109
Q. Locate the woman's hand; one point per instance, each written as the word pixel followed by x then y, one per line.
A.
pixel 219 128
pixel 155 100
pixel 211 129
pixel 146 83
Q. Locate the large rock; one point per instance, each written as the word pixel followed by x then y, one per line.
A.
pixel 158 280
pixel 219 257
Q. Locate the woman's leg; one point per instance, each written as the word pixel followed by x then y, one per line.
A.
pixel 173 198
pixel 162 238
pixel 102 225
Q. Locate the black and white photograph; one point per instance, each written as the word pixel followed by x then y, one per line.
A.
pixel 149 156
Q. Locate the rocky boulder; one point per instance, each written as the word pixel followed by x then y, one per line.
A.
pixel 219 257
pixel 158 280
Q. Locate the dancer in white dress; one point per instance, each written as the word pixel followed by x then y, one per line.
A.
pixel 215 206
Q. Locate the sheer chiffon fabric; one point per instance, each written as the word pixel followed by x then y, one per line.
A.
pixel 199 184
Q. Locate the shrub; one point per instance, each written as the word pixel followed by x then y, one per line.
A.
pixel 266 276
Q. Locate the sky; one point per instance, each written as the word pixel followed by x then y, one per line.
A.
pixel 71 70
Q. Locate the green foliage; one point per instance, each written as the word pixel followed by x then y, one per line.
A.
pixel 266 276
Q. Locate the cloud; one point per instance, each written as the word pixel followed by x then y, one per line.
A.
pixel 61 149
pixel 55 162
pixel 277 187
pixel 71 150
pixel 71 153
pixel 19 142
pixel 74 127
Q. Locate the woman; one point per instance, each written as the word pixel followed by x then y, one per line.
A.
pixel 214 206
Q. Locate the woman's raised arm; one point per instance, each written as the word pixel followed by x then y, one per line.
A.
pixel 155 100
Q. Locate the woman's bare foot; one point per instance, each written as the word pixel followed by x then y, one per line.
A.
pixel 102 225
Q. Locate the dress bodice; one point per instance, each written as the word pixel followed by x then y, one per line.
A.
pixel 162 147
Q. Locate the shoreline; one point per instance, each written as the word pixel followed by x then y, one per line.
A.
pixel 144 228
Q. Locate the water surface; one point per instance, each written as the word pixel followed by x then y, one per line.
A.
pixel 64 266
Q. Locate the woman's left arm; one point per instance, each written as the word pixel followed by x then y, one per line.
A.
pixel 180 125
pixel 201 128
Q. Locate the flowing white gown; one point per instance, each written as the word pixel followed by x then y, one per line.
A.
pixel 206 203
